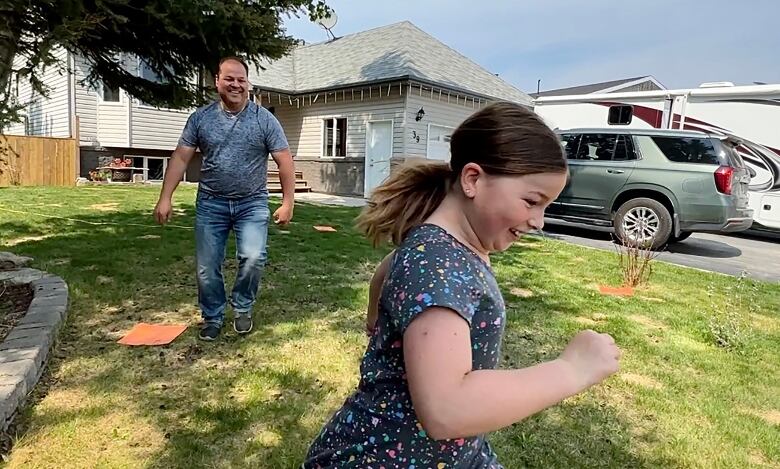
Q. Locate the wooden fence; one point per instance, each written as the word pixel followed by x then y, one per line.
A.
pixel 38 161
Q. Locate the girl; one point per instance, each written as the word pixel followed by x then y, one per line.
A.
pixel 429 388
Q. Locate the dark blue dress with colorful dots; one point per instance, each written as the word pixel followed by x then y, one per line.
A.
pixel 377 426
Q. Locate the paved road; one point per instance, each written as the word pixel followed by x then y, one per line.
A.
pixel 759 257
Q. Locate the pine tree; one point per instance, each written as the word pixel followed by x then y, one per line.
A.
pixel 177 39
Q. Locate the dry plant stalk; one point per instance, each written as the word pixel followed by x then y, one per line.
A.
pixel 636 262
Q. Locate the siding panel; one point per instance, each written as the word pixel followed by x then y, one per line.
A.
pixel 50 116
pixel 438 112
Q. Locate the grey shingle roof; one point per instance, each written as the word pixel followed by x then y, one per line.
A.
pixel 397 51
pixel 586 89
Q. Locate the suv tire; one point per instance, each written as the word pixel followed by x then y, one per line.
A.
pixel 647 216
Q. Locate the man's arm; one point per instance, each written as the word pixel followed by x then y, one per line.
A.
pixel 284 161
pixel 177 166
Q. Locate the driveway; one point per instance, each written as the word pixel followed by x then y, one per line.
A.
pixel 758 257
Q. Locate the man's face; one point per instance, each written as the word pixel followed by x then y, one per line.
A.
pixel 232 83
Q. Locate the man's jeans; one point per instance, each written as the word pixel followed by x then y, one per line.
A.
pixel 215 217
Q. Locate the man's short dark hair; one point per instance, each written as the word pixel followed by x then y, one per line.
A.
pixel 236 59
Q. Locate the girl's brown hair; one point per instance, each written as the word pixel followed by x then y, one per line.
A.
pixel 503 138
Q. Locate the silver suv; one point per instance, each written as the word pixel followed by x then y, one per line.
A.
pixel 654 186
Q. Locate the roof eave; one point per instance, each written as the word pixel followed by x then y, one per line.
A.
pixel 404 78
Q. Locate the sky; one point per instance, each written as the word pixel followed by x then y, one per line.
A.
pixel 565 43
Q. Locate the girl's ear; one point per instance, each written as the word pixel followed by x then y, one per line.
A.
pixel 469 177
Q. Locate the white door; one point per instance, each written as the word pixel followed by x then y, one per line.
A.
pixel 379 150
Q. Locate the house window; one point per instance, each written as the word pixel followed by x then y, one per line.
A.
pixel 620 115
pixel 109 94
pixel 334 142
pixel 147 73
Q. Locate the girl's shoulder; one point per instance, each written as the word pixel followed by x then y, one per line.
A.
pixel 433 245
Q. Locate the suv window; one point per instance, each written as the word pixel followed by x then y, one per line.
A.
pixel 606 147
pixel 570 143
pixel 688 149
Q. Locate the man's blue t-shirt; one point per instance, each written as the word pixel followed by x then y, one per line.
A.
pixel 235 148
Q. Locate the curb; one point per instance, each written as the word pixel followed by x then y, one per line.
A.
pixel 25 350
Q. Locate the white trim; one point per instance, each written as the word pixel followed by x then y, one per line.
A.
pixel 365 150
pixel 323 131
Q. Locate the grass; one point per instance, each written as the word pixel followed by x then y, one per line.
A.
pixel 679 400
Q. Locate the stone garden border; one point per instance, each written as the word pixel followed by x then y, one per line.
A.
pixel 25 350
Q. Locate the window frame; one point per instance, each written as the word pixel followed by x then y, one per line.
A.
pixel 335 119
pixel 620 108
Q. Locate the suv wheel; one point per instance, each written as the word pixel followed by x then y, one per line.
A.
pixel 643 222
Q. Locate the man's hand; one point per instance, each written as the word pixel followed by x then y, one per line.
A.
pixel 163 211
pixel 283 214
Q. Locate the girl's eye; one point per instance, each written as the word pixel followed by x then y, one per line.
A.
pixel 530 202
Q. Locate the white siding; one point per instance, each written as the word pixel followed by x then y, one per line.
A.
pixel 127 123
pixel 112 123
pixel 156 128
pixel 437 112
pixel 304 126
pixel 86 105
pixel 50 116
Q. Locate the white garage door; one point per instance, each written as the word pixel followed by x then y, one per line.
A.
pixel 439 142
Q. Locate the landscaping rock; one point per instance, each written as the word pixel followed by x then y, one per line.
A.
pixel 10 261
pixel 25 349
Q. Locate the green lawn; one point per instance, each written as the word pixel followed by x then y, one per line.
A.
pixel 679 400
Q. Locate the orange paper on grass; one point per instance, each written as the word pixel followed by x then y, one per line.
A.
pixel 325 229
pixel 616 291
pixel 152 334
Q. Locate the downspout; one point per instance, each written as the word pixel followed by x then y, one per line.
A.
pixel 72 97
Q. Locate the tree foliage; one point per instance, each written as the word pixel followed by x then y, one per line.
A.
pixel 177 39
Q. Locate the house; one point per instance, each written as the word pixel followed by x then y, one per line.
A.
pixel 625 85
pixel 110 124
pixel 350 107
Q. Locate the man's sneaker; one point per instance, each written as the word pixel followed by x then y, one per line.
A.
pixel 242 323
pixel 209 332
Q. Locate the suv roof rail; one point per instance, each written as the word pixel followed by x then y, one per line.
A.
pixel 635 131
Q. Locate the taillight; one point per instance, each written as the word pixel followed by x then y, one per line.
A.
pixel 724 176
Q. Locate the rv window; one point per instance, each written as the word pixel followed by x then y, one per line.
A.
pixel 620 115
pixel 688 150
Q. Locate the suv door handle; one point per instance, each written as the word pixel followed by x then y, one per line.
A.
pixel 615 171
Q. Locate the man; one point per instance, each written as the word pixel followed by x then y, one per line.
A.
pixel 235 137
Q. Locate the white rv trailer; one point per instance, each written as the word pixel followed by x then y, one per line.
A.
pixel 749 113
